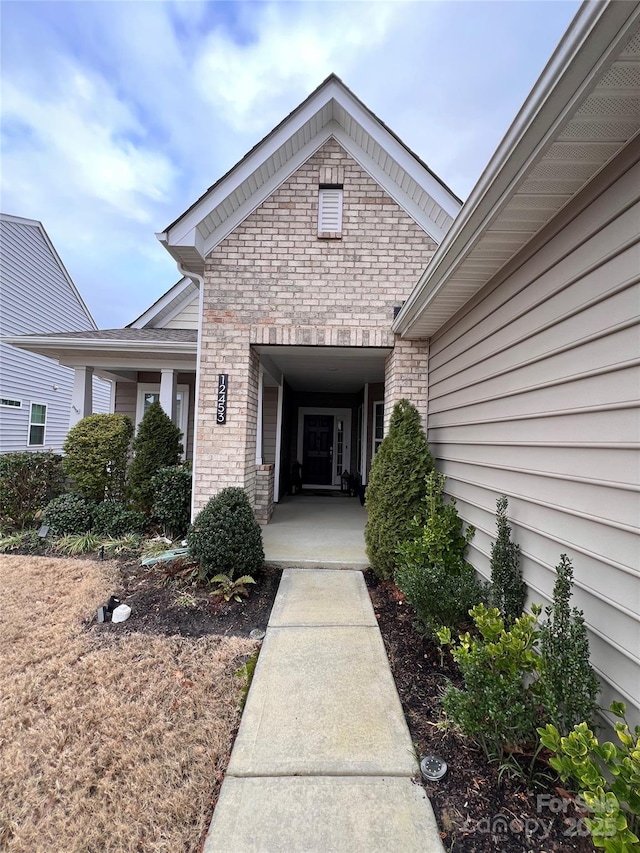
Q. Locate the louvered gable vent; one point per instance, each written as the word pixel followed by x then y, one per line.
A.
pixel 330 212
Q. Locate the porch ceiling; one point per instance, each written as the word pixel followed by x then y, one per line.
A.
pixel 339 370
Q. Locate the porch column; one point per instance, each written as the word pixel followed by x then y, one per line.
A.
pixel 276 479
pixel 259 416
pixel 168 382
pixel 81 395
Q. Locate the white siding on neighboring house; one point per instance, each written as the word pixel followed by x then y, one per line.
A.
pixel 533 393
pixel 187 318
pixel 36 296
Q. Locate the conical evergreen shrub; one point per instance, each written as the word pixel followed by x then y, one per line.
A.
pixel 156 445
pixel 396 487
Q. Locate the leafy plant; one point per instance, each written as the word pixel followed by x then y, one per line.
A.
pixel 232 588
pixel 432 572
pixel 172 499
pixel 396 487
pixel 128 545
pixel 28 481
pixel 498 706
pixel 68 514
pixel 25 541
pixel 78 543
pixel 115 519
pixel 508 591
pixel 569 683
pixel 156 445
pixel 226 538
pixel 95 459
pixel 608 777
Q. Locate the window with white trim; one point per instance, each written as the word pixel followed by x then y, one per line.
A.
pixel 10 404
pixel 378 427
pixel 150 393
pixel 330 211
pixel 37 424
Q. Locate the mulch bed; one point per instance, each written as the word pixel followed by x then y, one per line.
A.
pixel 477 810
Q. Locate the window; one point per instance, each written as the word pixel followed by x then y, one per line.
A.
pixel 330 211
pixel 10 404
pixel 378 426
pixel 37 423
pixel 148 394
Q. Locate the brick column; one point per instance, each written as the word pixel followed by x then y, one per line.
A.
pixel 264 493
pixel 226 452
pixel 406 376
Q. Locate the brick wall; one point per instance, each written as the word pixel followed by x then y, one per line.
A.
pixel 273 281
pixel 406 373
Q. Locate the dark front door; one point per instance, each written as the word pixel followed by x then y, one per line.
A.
pixel 317 450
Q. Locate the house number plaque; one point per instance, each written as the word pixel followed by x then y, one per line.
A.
pixel 221 408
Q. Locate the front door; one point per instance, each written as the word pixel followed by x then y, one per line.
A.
pixel 317 450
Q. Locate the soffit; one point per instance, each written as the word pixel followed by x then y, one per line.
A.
pixel 597 127
pixel 338 370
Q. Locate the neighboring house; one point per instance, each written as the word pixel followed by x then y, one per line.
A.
pixel 36 295
pixel 298 322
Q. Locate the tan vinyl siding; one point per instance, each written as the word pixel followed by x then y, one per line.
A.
pixel 269 423
pixel 126 399
pixel 187 318
pixel 533 392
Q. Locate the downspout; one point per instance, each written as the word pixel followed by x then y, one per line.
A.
pixel 199 280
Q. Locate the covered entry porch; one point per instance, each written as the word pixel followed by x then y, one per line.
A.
pixel 311 531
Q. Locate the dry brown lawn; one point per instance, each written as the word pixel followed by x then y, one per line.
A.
pixel 107 743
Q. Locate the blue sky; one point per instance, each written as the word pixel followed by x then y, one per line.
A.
pixel 116 116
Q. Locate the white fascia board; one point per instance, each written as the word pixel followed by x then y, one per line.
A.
pixel 47 345
pixel 390 186
pixel 401 155
pixel 567 79
pixel 190 221
pixel 267 189
pixel 160 304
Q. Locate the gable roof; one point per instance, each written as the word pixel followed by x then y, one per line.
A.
pixel 38 226
pixel 581 113
pixel 332 110
pixel 167 306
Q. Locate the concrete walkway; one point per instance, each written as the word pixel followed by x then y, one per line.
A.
pixel 315 532
pixel 323 760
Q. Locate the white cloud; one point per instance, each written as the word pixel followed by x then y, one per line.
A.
pixel 86 136
pixel 292 49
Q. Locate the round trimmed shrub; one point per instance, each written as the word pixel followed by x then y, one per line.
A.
pixel 96 450
pixel 396 487
pixel 226 538
pixel 68 514
pixel 115 519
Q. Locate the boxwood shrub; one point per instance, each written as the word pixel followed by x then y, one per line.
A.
pixel 226 538
pixel 68 514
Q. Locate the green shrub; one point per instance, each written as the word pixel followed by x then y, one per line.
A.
pixel 95 459
pixel 498 707
pixel 28 481
pixel 156 445
pixel 68 514
pixel 608 777
pixel 172 499
pixel 570 685
pixel 432 572
pixel 226 538
pixel 508 591
pixel 396 487
pixel 113 518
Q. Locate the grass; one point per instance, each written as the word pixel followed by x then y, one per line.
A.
pixel 107 742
